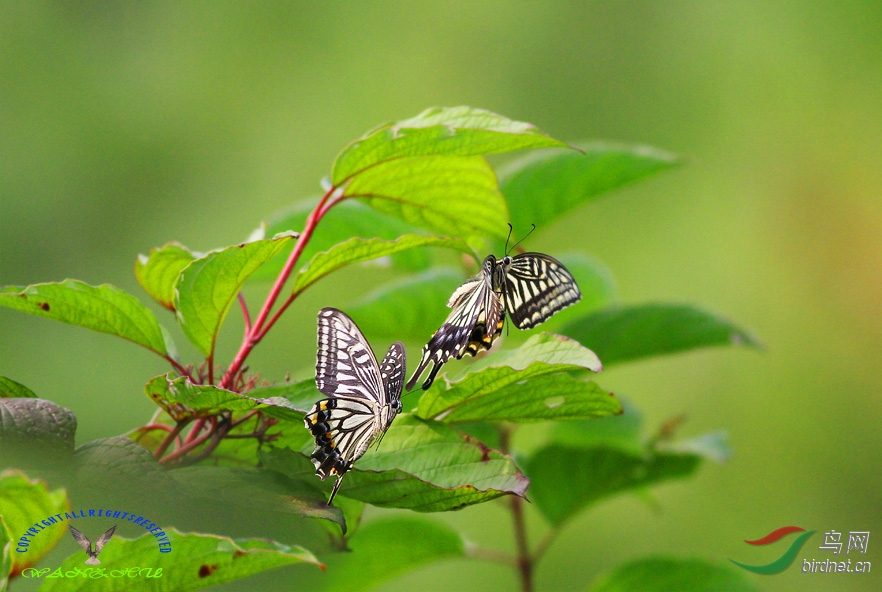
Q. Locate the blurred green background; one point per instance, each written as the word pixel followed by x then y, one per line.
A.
pixel 124 125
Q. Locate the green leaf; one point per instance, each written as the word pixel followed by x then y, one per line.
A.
pixel 183 400
pixel 425 466
pixel 663 574
pixel 299 395
pixel 5 555
pixel 197 561
pixel 546 347
pixel 104 308
pixel 207 287
pixel 357 250
pixel 407 308
pixel 35 431
pixel 531 383
pixel 384 549
pixel 616 431
pixel 452 131
pixel 347 219
pixel 252 487
pixel 10 389
pixel 120 470
pixel 22 502
pixel 567 479
pixel 158 271
pixel 541 187
pixel 624 333
pixel 450 195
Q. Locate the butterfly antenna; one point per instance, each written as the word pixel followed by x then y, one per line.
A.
pixel 507 250
pixel 510 230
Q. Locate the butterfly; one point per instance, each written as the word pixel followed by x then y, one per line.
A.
pixel 363 396
pixel 83 541
pixel 530 287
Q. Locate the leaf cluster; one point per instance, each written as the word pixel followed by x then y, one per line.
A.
pixel 397 195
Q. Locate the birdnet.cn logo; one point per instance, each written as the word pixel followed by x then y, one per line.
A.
pixel 102 538
pixel 856 541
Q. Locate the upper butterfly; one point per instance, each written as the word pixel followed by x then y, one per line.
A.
pixel 530 287
pixel 363 396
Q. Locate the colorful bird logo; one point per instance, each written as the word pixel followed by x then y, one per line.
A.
pixel 784 561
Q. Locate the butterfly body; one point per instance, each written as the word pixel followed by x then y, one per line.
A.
pixel 363 396
pixel 529 287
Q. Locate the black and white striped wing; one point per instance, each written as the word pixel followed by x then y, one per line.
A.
pixel 392 371
pixel 469 303
pixel 345 365
pixel 363 397
pixel 536 287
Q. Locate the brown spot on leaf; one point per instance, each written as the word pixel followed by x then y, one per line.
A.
pixel 238 553
pixel 206 570
pixel 44 306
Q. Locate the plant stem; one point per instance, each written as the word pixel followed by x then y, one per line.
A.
pixel 257 330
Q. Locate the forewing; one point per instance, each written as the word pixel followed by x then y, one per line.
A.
pixel 102 540
pixel 536 287
pixel 345 365
pixel 81 539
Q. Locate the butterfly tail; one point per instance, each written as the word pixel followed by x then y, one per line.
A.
pixel 336 487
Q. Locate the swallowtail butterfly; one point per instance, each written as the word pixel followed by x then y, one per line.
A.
pixel 363 396
pixel 530 287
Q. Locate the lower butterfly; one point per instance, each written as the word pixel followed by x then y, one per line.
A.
pixel 363 396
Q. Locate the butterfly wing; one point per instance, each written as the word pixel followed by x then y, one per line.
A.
pixel 536 287
pixel 392 371
pixel 81 539
pixel 469 303
pixel 345 365
pixel 102 540
pixel 364 397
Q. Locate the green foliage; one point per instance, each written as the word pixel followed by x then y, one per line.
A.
pixel 10 389
pixel 425 466
pixel 662 574
pixel 625 333
pixel 456 131
pixel 32 428
pixel 541 187
pixel 197 561
pixel 205 289
pixel 5 555
pixel 357 250
pixel 412 541
pixel 232 438
pixel 103 308
pixel 348 219
pixel 158 271
pixel 21 499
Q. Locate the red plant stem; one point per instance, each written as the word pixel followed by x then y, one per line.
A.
pixel 197 427
pixel 257 331
pixel 171 437
pixel 191 445
pixel 245 314
pixel 181 370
